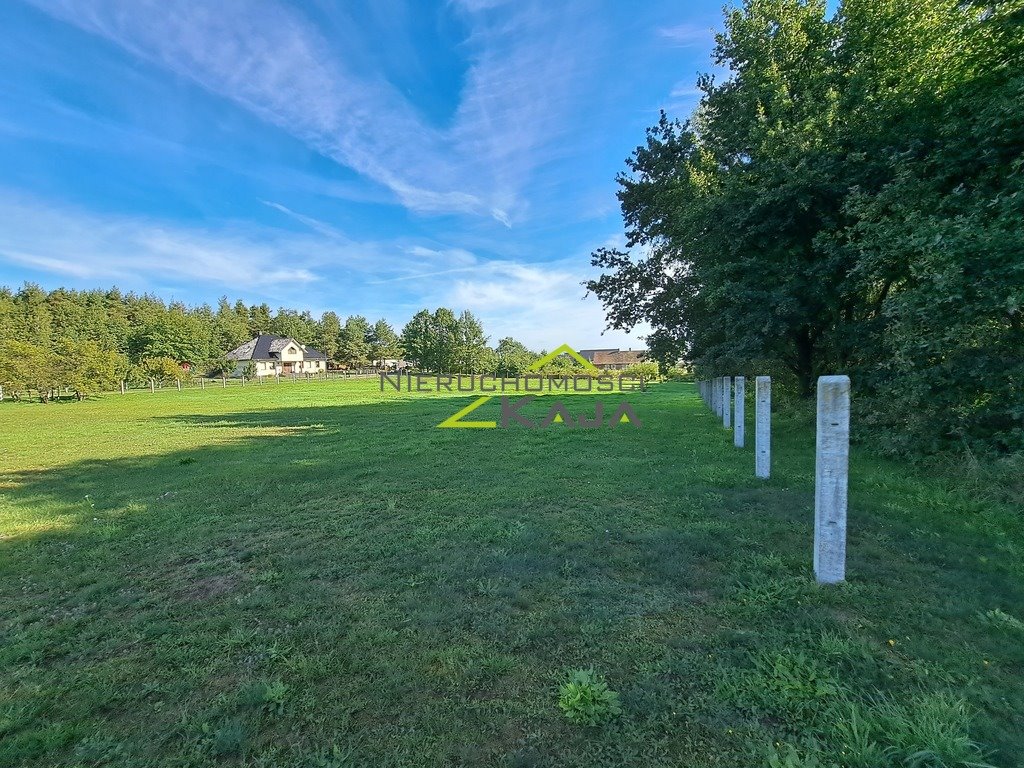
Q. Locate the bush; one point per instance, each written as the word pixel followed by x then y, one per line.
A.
pixel 646 371
pixel 679 373
pixel 586 699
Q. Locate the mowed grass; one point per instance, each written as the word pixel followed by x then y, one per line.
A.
pixel 312 574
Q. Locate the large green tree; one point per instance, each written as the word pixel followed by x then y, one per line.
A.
pixel 86 368
pixel 25 366
pixel 328 335
pixel 512 358
pixel 417 340
pixel 353 345
pixel 470 353
pixel 843 201
pixel 384 342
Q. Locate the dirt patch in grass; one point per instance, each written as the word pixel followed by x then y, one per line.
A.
pixel 209 587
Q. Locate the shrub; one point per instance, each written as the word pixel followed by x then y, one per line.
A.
pixel 679 373
pixel 586 699
pixel 647 371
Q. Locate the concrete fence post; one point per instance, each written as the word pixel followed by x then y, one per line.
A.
pixel 727 402
pixel 763 426
pixel 152 386
pixel 831 478
pixel 178 382
pixel 1 393
pixel 739 415
pixel 202 384
pixel 223 382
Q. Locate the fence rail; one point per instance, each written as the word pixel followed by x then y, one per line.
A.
pixel 199 382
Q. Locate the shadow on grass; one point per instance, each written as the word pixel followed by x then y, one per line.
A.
pixel 419 590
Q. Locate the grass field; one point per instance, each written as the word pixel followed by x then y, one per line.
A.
pixel 311 574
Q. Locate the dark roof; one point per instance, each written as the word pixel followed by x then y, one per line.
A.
pixel 588 354
pixel 619 357
pixel 313 354
pixel 267 346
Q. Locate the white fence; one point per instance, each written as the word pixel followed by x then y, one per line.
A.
pixel 726 397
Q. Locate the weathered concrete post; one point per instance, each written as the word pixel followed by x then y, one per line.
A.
pixel 740 412
pixel 202 384
pixel 1 393
pixel 152 386
pixel 715 387
pixel 727 402
pixel 178 382
pixel 831 478
pixel 763 426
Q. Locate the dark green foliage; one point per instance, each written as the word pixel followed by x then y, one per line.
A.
pixel 442 342
pixel 848 200
pixel 89 341
pixel 512 358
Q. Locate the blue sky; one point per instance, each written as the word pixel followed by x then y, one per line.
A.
pixel 369 157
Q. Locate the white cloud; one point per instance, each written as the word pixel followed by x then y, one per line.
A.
pixel 539 304
pixel 542 305
pixel 314 224
pixel 270 60
pixel 89 247
pixel 687 35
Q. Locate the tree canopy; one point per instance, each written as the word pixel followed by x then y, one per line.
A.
pixel 89 341
pixel 847 200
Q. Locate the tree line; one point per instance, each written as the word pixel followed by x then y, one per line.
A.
pixel 90 341
pixel 848 199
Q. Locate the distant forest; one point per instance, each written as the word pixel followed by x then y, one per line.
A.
pixel 88 341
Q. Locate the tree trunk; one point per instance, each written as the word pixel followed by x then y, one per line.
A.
pixel 804 368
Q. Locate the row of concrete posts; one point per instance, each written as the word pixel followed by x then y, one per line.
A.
pixel 726 397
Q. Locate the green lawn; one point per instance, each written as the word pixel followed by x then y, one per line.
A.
pixel 311 574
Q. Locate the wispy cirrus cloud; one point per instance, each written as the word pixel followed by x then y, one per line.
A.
pixel 542 304
pixel 269 59
pixel 67 241
pixel 687 35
